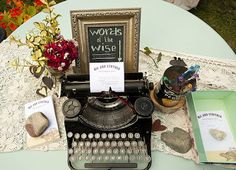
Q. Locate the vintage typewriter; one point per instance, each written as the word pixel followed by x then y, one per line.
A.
pixel 108 130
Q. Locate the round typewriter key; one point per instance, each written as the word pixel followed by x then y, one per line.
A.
pixel 129 151
pixel 134 143
pixel 94 144
pixel 143 106
pixel 143 151
pixel 148 158
pixel 90 135
pixel 83 136
pixel 126 157
pixel 97 135
pixel 87 143
pixel 130 135
pixel 81 144
pixel 109 151
pixel 76 151
pixel 71 108
pixel 120 143
pixel 136 151
pixel 87 158
pixel 104 135
pixel 89 151
pixel 127 143
pixel 117 135
pixel 80 157
pixel 123 135
pixel 112 157
pixel 113 143
pixel 70 151
pixel 118 157
pixel 74 144
pixel 115 151
pixel 83 151
pixel 95 151
pixel 72 158
pixel 106 157
pixel 76 136
pixel 122 151
pixel 140 143
pixel 93 158
pixel 69 134
pixel 132 157
pixel 99 158
pixel 102 151
pixel 100 143
pixel 110 135
pixel 107 143
pixel 137 135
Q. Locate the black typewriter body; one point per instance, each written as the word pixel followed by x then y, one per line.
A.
pixel 108 130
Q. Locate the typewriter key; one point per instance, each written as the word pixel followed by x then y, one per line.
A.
pixel 143 106
pixel 71 108
pixel 69 134
pixel 123 135
pixel 110 135
pixel 76 136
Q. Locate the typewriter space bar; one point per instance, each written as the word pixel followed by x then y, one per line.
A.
pixel 110 165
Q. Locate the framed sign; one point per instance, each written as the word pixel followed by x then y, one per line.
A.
pixel 107 36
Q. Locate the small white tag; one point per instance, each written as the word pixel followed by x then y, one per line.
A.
pixel 106 75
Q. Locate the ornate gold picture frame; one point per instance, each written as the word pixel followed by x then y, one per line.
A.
pixel 107 36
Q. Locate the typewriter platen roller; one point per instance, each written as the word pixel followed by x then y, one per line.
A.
pixel 108 130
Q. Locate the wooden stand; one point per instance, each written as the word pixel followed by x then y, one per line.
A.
pixel 171 107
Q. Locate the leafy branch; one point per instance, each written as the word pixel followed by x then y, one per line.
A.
pixel 147 52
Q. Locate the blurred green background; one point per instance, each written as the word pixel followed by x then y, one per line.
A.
pixel 221 16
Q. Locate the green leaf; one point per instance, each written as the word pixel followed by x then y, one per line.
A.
pixel 38 70
pixel 159 57
pixel 31 10
pixel 46 10
pixel 19 20
pixel 147 51
pixel 52 3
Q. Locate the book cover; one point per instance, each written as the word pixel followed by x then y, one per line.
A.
pixel 212 115
pixel 51 134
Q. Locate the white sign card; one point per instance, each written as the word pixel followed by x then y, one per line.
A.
pixel 215 120
pixel 106 75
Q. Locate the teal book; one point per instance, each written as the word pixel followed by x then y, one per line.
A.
pixel 213 116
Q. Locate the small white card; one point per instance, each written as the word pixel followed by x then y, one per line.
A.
pixel 215 121
pixel 106 75
pixel 44 105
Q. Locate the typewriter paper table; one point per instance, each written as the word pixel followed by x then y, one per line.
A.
pixel 163 26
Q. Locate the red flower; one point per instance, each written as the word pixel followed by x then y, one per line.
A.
pixel 1 16
pixel 3 25
pixel 60 54
pixel 38 3
pixel 8 2
pixel 12 26
pixel 15 12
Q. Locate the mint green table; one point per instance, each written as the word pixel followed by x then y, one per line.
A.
pixel 164 26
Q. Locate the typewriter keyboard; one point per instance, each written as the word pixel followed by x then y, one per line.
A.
pixel 108 151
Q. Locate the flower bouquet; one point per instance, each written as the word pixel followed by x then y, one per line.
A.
pixel 51 54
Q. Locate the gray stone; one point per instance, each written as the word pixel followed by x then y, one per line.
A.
pixel 36 124
pixel 217 134
pixel 178 140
